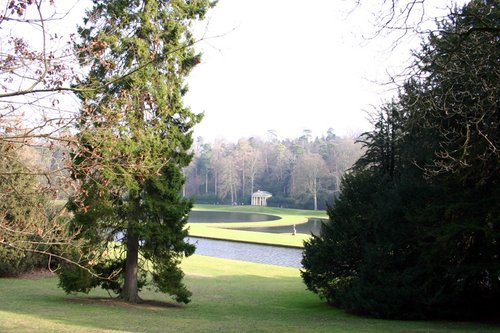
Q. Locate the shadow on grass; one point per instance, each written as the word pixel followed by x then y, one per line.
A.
pixel 228 296
pixel 112 301
pixel 223 303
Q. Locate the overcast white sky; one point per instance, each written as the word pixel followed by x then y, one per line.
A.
pixel 288 66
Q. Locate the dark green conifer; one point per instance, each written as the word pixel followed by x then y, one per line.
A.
pixel 134 139
pixel 416 230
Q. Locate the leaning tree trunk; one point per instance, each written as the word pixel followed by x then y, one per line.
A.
pixel 130 292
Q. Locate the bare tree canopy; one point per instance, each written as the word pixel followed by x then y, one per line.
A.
pixel 37 68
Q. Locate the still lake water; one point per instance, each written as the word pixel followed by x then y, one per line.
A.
pixel 258 253
pixel 312 226
pixel 198 216
pixel 263 254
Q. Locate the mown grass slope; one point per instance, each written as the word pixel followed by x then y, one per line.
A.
pixel 228 296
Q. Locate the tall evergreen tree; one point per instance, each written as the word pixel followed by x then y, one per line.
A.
pixel 134 139
pixel 416 230
pixel 454 112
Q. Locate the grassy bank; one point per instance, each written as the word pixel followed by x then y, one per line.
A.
pixel 228 296
pixel 288 217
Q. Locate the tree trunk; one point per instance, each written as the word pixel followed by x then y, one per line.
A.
pixel 206 180
pixel 216 179
pixel 252 181
pixel 231 188
pixel 315 193
pixel 130 292
pixel 243 182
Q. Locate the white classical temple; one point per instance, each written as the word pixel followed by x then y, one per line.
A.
pixel 259 198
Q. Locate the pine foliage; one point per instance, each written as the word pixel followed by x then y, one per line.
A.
pixel 416 230
pixel 134 139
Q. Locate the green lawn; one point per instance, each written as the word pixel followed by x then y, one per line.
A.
pixel 287 217
pixel 228 296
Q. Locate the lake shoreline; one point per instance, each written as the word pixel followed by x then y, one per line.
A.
pixel 245 241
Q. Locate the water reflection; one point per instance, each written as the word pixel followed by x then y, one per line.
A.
pixel 263 254
pixel 312 226
pixel 198 216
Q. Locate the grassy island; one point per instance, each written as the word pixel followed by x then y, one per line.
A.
pixel 288 217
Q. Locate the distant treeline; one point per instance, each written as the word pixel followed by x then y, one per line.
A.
pixel 300 173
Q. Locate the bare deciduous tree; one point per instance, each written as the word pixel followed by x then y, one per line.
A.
pixel 36 113
pixel 309 171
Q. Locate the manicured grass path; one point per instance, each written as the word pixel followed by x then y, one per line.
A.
pixel 289 217
pixel 228 296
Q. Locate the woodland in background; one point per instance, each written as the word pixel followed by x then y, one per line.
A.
pixel 415 228
pixel 299 173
